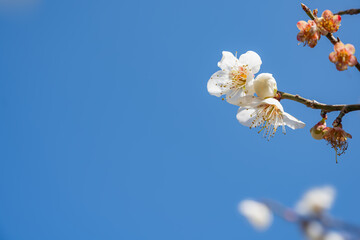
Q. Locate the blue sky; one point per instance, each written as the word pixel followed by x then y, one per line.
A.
pixel 108 131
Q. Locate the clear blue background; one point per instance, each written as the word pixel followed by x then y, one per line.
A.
pixel 108 131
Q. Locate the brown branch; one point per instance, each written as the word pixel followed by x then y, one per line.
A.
pixel 329 36
pixel 338 120
pixel 348 12
pixel 344 108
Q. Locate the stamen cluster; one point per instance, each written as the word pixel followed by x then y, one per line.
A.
pixel 268 118
pixel 337 138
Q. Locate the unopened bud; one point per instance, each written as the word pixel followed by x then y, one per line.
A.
pixel 265 86
pixel 318 131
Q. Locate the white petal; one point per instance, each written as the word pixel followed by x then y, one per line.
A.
pixel 258 214
pixel 252 59
pixel 234 95
pixel 219 83
pixel 228 61
pixel 292 122
pixel 249 101
pixel 246 116
pixel 249 86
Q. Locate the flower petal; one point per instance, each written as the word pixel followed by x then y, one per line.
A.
pixel 337 19
pixel 249 101
pixel 234 95
pixel 273 101
pixel 327 14
pixel 338 46
pixel 341 66
pixel 350 48
pixel 352 61
pixel 333 57
pixel 252 59
pixel 219 83
pixel 228 61
pixel 246 116
pixel 249 86
pixel 301 25
pixel 292 122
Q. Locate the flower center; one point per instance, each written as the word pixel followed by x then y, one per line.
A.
pixel 337 138
pixel 330 23
pixel 239 76
pixel 268 117
pixel 343 56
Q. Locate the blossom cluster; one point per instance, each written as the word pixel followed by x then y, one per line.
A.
pixel 311 31
pixel 256 97
pixel 310 213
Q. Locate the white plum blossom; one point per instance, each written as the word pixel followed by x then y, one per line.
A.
pixel 235 79
pixel 265 85
pixel 258 214
pixel 268 114
pixel 316 200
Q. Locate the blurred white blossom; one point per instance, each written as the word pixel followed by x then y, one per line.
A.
pixel 316 200
pixel 314 230
pixel 258 214
pixel 333 236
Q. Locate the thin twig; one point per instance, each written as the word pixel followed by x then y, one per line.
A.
pixel 345 108
pixel 329 36
pixel 325 220
pixel 338 120
pixel 280 210
pixel 348 12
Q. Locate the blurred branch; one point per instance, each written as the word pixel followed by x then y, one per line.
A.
pixel 316 105
pixel 348 12
pixel 329 36
pixel 280 210
pixel 327 221
pixel 332 223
